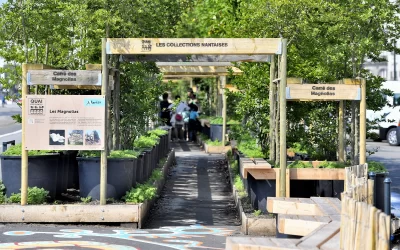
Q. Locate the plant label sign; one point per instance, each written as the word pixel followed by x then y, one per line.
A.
pixel 64 77
pixel 323 92
pixel 73 122
pixel 187 46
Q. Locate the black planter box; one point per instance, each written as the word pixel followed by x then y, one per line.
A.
pixel 303 188
pixel 119 177
pixel 216 132
pixel 42 173
pixel 330 188
pixel 68 172
pixel 139 168
pixel 259 191
pixel 135 166
pixel 379 190
pixel 206 131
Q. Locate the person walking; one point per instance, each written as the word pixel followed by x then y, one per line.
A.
pixel 193 119
pixel 177 117
pixel 165 112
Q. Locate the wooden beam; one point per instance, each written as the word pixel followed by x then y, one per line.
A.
pixel 320 236
pixel 248 164
pixel 195 58
pixel 197 70
pixel 300 225
pixel 68 213
pixel 262 174
pixel 93 66
pixel 195 64
pixel 93 87
pixel 199 46
pixel 317 174
pixel 329 206
pixel 293 206
pixel 293 80
pixel 253 243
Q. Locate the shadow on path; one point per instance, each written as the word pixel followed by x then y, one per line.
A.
pixel 196 192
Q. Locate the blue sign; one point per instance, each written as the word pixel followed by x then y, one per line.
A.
pixel 94 102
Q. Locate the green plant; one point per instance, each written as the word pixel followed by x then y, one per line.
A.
pixel 16 150
pixel 257 213
pixel 35 196
pixel 145 142
pixel 300 164
pixel 250 148
pixel 377 167
pixel 3 198
pixel 216 120
pixel 332 164
pixel 209 142
pixel 86 200
pixel 113 154
pixel 155 175
pixel 234 167
pixel 2 188
pixel 162 162
pixel 141 193
pixel 203 137
pixel 157 132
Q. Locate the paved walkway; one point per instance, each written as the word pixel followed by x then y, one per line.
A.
pixel 195 211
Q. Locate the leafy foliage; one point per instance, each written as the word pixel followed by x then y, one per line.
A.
pixel 141 193
pixel 300 164
pixel 330 164
pixel 377 167
pixel 113 154
pixel 36 196
pixel 86 199
pixel 16 150
pixel 156 175
pixel 145 142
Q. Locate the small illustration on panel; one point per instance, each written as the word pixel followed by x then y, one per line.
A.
pixel 92 137
pixel 57 137
pixel 75 137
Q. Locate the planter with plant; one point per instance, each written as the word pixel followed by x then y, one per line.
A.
pixel 42 170
pixel 146 145
pixel 216 125
pixel 216 147
pixel 163 144
pixel 121 173
pixel 380 174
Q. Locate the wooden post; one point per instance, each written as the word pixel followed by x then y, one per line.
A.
pixel 282 125
pixel 24 153
pixel 272 90
pixel 103 159
pixel 341 132
pixel 117 89
pixel 223 83
pixel 215 95
pixel 363 120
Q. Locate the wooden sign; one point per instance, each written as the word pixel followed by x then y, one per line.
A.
pixel 187 46
pixel 64 122
pixel 198 70
pixel 64 77
pixel 323 92
pixel 196 58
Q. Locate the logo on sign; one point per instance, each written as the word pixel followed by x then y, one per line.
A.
pixel 94 102
pixel 146 45
pixel 36 106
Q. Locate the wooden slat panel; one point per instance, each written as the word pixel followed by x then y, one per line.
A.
pixel 291 206
pixel 316 174
pixel 300 225
pixel 332 244
pixel 69 213
pixel 199 46
pixel 326 206
pixel 319 236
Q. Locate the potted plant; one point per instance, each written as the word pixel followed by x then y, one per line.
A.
pixel 42 169
pixel 380 174
pixel 145 144
pixel 121 173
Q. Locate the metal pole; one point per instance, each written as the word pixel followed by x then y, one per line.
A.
pixel 341 132
pixel 272 90
pixel 223 83
pixel 372 176
pixel 103 158
pixel 387 206
pixel 363 121
pixel 24 153
pixel 282 125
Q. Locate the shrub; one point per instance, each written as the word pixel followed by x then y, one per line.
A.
pixel 215 143
pixel 377 167
pixel 145 142
pixel 86 200
pixel 234 166
pixel 155 176
pixel 2 198
pixel 141 193
pixel 257 213
pixel 300 164
pixel 113 154
pixel 35 196
pixel 330 164
pixel 157 132
pixel 16 150
pixel 2 188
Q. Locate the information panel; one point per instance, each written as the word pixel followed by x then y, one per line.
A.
pixel 327 92
pixel 64 122
pixel 64 77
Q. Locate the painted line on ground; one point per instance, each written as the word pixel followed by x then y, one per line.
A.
pixel 13 133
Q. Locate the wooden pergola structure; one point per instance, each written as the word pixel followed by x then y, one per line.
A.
pixel 197 50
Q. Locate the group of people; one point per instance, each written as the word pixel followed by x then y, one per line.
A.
pixel 182 116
